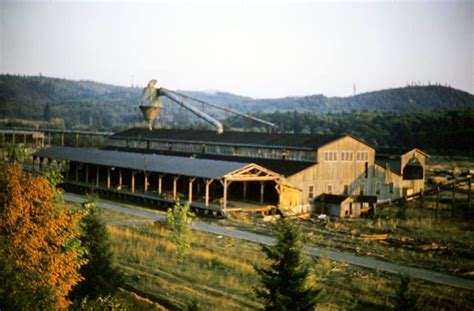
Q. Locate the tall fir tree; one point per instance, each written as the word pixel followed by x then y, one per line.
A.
pixel 100 276
pixel 285 282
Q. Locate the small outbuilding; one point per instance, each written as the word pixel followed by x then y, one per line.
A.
pixel 344 205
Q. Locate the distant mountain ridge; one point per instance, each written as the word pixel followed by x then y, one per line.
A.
pixel 88 103
pixel 403 99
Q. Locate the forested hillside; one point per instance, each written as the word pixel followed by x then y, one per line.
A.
pixel 434 131
pixel 81 104
pixel 102 106
pixel 432 117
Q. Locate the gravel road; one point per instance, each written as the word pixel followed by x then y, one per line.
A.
pixel 365 262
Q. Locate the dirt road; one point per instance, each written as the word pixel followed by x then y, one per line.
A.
pixel 365 262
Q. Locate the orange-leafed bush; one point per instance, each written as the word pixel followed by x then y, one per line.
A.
pixel 40 250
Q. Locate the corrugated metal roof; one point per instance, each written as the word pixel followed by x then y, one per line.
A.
pixel 271 140
pixel 280 166
pixel 144 162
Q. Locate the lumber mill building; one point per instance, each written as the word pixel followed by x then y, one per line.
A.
pixel 238 171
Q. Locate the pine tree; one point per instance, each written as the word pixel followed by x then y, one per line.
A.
pixel 284 283
pixel 406 300
pixel 47 113
pixel 101 277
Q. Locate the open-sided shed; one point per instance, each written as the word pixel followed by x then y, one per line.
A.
pixel 202 182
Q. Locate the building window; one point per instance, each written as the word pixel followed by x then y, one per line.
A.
pixel 347 155
pixel 390 188
pixel 330 156
pixel 311 192
pixel 366 170
pixel 362 156
pixel 346 189
pixel 377 188
pixel 329 188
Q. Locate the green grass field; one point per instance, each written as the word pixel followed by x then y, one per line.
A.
pixel 218 274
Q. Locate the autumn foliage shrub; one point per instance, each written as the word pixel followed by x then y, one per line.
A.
pixel 40 253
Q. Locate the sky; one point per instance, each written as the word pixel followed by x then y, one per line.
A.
pixel 253 48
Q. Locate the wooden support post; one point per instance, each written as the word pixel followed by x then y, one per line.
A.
pixel 208 183
pixel 97 177
pixel 421 205
pixel 108 177
pixel 190 197
pixel 120 181
pixel 245 191
pixel 87 173
pixel 225 195
pixel 437 201
pixel 77 140
pixel 133 182
pixel 145 186
pixel 24 139
pixel 262 191
pixel 62 139
pixel 76 165
pixel 175 179
pixel 469 184
pixel 160 183
pixel 13 137
pixel 49 138
pixel 453 201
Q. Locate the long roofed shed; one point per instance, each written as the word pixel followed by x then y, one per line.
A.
pixel 283 167
pixel 204 168
pixel 273 140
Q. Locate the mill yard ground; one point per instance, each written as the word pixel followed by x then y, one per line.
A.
pixel 218 273
pixel 413 235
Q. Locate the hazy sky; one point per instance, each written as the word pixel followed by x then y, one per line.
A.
pixel 256 49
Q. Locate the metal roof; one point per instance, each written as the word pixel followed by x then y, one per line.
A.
pixel 48 130
pixel 391 163
pixel 338 199
pixel 144 162
pixel 269 140
pixel 280 166
pixel 332 198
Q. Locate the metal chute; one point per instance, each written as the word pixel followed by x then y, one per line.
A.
pixel 150 113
